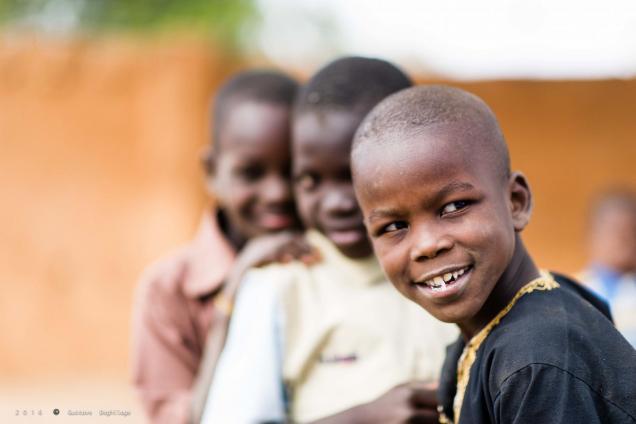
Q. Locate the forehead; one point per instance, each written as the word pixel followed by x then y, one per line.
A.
pixel 254 123
pixel 424 162
pixel 321 133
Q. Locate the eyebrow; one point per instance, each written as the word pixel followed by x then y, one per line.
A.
pixel 452 187
pixel 377 214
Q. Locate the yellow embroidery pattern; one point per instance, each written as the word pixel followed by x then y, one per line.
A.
pixel 466 360
pixel 443 419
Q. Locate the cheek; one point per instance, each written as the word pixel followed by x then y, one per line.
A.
pixel 306 204
pixel 239 197
pixel 497 246
pixel 393 259
pixel 485 235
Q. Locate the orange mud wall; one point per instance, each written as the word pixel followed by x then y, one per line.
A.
pixel 99 174
pixel 571 139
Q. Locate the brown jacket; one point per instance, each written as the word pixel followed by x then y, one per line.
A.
pixel 172 315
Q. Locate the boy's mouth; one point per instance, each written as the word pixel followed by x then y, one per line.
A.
pixel 445 283
pixel 276 221
pixel 346 237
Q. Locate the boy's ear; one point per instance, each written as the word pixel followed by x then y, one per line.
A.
pixel 208 161
pixel 520 200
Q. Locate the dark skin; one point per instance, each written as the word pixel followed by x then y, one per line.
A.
pixel 250 173
pixel 407 403
pixel 447 208
pixel 322 179
pixel 326 201
pixel 250 177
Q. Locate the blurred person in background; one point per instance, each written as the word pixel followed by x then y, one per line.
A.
pixel 612 250
pixel 181 296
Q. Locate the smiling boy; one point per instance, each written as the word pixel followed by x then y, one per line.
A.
pixel 331 341
pixel 177 303
pixel 432 175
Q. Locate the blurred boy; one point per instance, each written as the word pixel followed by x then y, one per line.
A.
pixel 612 249
pixel 248 173
pixel 432 175
pixel 330 341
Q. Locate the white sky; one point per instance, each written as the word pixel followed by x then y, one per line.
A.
pixel 463 39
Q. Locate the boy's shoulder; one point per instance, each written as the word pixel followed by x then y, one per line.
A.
pixel 559 327
pixel 165 274
pixel 277 276
pixel 193 270
pixel 563 330
pixel 333 271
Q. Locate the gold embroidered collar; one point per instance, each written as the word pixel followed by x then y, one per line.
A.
pixel 468 356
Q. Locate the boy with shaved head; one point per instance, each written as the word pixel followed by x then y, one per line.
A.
pixel 444 212
pixel 331 342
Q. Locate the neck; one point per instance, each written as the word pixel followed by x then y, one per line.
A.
pixel 235 238
pixel 520 271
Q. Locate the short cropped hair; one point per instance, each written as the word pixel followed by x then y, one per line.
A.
pixel 265 86
pixel 423 108
pixel 351 83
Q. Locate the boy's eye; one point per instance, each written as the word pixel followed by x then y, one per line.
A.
pixel 307 181
pixel 250 172
pixel 454 207
pixel 392 227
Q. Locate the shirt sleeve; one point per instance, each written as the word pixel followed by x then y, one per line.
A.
pixel 163 364
pixel 247 386
pixel 541 393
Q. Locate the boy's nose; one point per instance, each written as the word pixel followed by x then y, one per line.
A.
pixel 427 243
pixel 340 202
pixel 277 190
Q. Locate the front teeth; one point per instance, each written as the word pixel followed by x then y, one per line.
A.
pixel 438 283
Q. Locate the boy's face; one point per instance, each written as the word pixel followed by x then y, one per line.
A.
pixel 251 172
pixel 441 219
pixel 613 238
pixel 322 179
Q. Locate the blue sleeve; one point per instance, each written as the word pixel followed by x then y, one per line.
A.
pixel 247 386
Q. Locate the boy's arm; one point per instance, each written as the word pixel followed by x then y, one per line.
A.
pixel 247 385
pixel 541 393
pixel 260 251
pixel 213 347
pixel 163 366
pixel 409 402
pixel 217 335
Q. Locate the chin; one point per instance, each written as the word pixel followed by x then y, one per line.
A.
pixel 355 251
pixel 448 314
pixel 449 317
pixel 438 314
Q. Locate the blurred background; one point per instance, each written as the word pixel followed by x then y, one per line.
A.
pixel 103 119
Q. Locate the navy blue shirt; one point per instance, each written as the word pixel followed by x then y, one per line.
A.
pixel 554 358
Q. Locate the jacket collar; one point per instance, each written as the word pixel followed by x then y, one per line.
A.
pixel 363 271
pixel 210 258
